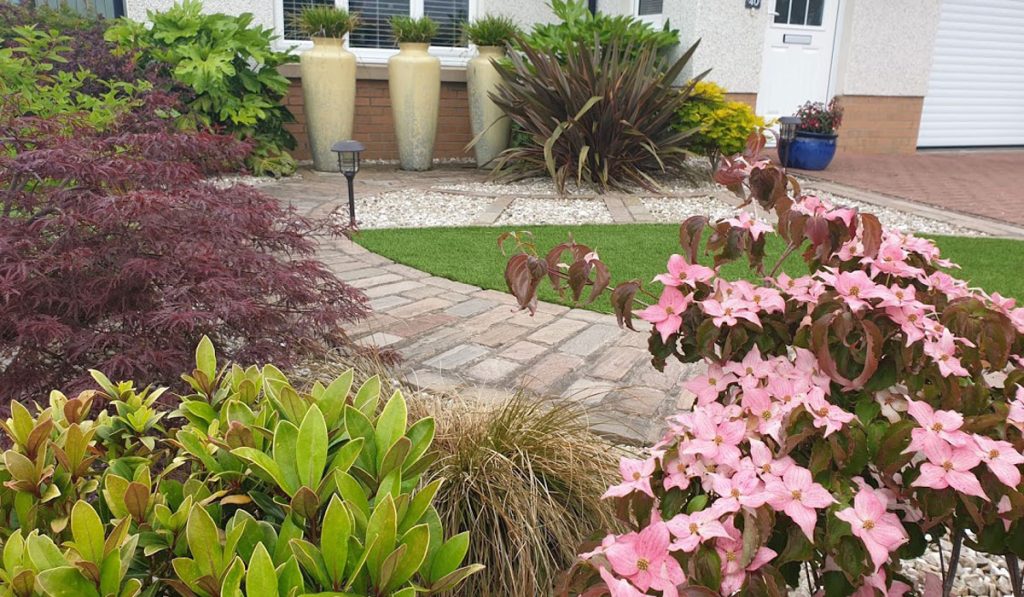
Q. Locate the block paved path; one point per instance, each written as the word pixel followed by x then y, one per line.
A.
pixel 452 335
pixel 979 183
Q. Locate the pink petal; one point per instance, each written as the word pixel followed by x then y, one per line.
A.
pixel 966 483
pixel 804 517
pixel 931 476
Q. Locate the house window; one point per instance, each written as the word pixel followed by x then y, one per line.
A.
pixel 650 11
pixel 372 41
pixel 799 12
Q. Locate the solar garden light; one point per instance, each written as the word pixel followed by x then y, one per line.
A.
pixel 787 132
pixel 348 163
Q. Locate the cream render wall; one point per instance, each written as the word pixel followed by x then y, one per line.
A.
pixel 262 10
pixel 886 47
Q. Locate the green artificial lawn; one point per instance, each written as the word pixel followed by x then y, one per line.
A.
pixel 471 255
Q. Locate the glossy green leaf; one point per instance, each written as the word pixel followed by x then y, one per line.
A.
pixel 286 437
pixel 311 449
pixel 261 577
pixel 66 581
pixel 87 531
pixel 204 541
pixel 332 401
pixel 416 542
pixel 337 528
pixel 367 397
pixel 449 556
pixel 390 425
pixel 206 358
pixel 383 527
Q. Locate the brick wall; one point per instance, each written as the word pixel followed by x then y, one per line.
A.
pixel 374 125
pixel 879 124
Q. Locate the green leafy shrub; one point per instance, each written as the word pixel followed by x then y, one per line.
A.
pixel 229 65
pixel 326 21
pixel 491 31
pixel 579 27
pixel 722 126
pixel 410 30
pixel 603 115
pixel 526 478
pixel 264 490
pixel 33 85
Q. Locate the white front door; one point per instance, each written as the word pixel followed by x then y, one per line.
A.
pixel 798 52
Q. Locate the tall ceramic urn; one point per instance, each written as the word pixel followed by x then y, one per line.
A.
pixel 329 92
pixel 491 126
pixel 414 79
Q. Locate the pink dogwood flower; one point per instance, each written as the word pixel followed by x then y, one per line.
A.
pixel 681 273
pixel 619 587
pixel 667 314
pixel 636 476
pixel 742 490
pixel 756 228
pixel 943 351
pixel 729 311
pixel 643 558
pixel 852 287
pixel 937 427
pixel 950 467
pixel 708 387
pixel 799 497
pixel 879 530
pixel 1001 458
pixel 716 442
pixel 690 530
pixel 730 551
pixel 826 414
pixel 765 463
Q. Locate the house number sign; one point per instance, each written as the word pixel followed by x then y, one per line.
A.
pixel 753 4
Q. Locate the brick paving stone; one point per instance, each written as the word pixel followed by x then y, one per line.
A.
pixel 471 307
pixel 419 308
pixel 451 285
pixel 493 317
pixel 503 298
pixel 523 351
pixel 406 271
pixel 589 391
pixel 432 343
pixel 617 362
pixel 379 339
pixel 396 288
pixel 356 274
pixel 499 335
pixel 460 355
pixel 583 315
pixel 377 280
pixel 389 302
pixel 423 292
pixel 557 331
pixel 590 339
pixel 492 369
pixel 637 400
pixel 553 371
pixel 418 325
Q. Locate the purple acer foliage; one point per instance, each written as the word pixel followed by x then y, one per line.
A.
pixel 117 254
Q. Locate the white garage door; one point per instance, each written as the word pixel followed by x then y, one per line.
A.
pixel 976 91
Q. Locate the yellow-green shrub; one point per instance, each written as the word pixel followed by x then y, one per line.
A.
pixel 723 126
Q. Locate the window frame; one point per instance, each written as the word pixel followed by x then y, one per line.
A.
pixel 657 20
pixel 450 56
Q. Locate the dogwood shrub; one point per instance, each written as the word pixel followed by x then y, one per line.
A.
pixel 846 417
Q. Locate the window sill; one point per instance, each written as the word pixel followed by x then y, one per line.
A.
pixel 379 72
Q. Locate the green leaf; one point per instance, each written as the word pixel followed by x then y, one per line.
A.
pixel 311 450
pixel 204 541
pixel 416 542
pixel 206 358
pixel 383 527
pixel 332 401
pixel 311 559
pixel 261 578
pixel 286 438
pixel 264 462
pixel 337 528
pixel 43 553
pixel 367 397
pixel 449 557
pixel 358 425
pixel 111 574
pixel 421 434
pixel 390 425
pixel 66 581
pixel 452 580
pixel 419 504
pixel 87 531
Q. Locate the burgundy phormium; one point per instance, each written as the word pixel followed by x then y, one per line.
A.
pixel 116 254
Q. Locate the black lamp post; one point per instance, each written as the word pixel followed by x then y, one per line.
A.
pixel 787 132
pixel 348 162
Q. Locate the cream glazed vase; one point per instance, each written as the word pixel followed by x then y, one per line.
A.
pixel 485 116
pixel 414 80
pixel 329 93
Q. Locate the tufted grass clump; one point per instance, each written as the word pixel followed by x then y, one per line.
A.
pixel 491 31
pixel 327 21
pixel 410 30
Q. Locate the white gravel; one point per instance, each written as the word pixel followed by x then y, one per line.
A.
pixel 676 209
pixel 415 209
pixel 535 201
pixel 894 218
pixel 555 211
pixel 223 182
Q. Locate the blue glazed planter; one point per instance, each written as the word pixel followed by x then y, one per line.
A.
pixel 809 151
